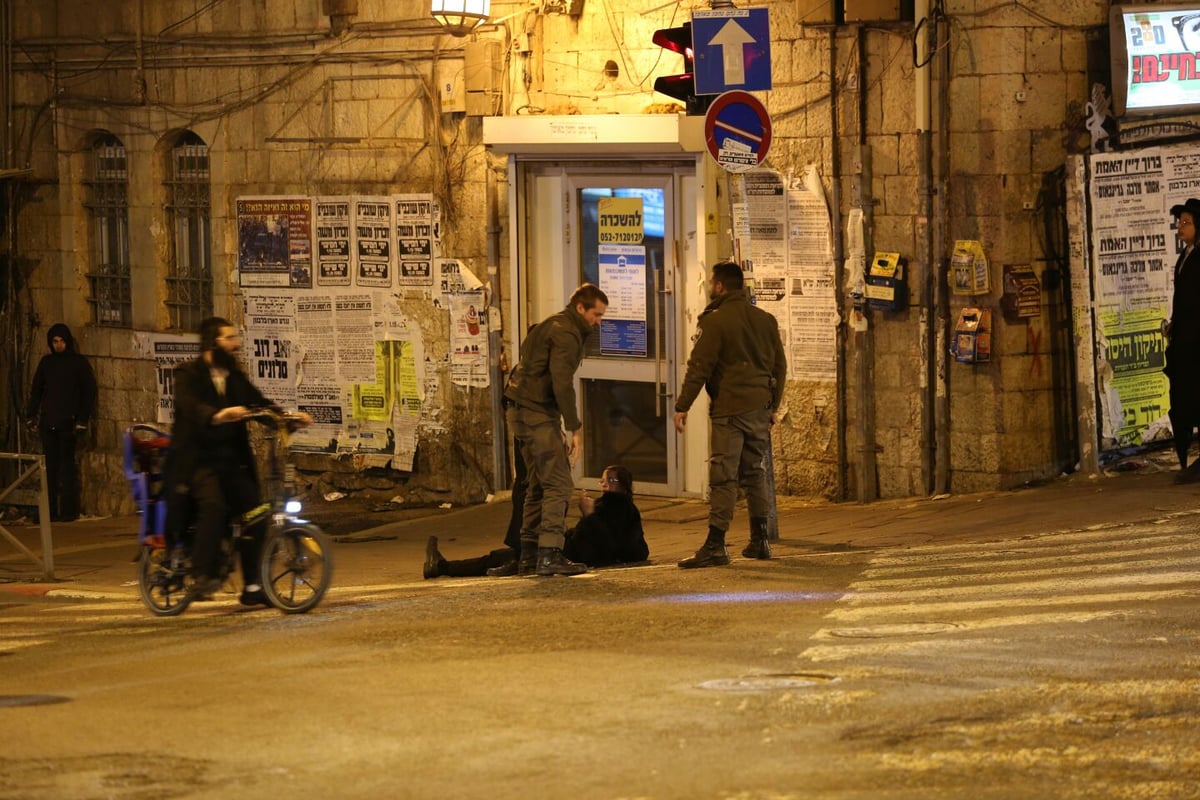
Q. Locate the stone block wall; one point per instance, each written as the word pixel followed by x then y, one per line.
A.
pixel 287 107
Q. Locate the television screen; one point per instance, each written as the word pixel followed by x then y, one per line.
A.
pixel 1155 51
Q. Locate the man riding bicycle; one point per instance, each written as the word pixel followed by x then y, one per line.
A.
pixel 210 469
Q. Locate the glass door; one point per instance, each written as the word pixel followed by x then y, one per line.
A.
pixel 625 244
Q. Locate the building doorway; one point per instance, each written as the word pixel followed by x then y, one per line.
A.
pixel 619 229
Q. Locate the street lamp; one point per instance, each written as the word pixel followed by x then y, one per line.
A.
pixel 460 17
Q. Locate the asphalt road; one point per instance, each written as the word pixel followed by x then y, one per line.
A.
pixel 1040 666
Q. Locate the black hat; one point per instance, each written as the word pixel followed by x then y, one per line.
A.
pixel 1191 205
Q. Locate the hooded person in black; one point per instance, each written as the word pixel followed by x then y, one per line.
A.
pixel 61 403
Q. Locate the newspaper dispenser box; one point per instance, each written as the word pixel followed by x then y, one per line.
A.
pixel 886 288
pixel 973 336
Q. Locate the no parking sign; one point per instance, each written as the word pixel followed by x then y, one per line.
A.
pixel 737 131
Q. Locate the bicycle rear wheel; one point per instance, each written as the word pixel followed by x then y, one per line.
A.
pixel 162 585
pixel 296 567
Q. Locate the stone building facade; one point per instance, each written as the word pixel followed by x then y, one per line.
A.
pixel 956 128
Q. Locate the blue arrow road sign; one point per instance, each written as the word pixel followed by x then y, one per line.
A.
pixel 732 49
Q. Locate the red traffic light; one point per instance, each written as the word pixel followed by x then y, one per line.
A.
pixel 677 40
pixel 681 87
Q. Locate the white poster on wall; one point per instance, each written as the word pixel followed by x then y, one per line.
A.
pixel 782 230
pixel 374 242
pixel 469 340
pixel 269 344
pixel 169 351
pixel 414 240
pixel 812 293
pixel 333 240
pixel 1133 250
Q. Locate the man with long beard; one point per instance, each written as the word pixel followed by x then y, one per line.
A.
pixel 210 470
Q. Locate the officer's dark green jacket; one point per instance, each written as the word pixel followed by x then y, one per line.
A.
pixel 737 356
pixel 544 378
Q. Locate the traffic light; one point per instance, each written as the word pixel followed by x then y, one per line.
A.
pixel 681 87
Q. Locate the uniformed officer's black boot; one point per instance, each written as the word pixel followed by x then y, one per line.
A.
pixel 760 546
pixel 506 569
pixel 711 554
pixel 527 563
pixel 551 561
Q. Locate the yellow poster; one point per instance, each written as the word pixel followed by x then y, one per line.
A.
pixel 408 390
pixel 373 401
pixel 620 220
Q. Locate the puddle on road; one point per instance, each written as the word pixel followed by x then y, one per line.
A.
pixel 768 683
pixel 905 629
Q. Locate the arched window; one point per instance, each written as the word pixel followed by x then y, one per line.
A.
pixel 106 198
pixel 189 277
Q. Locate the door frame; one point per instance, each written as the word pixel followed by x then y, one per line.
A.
pixel 693 185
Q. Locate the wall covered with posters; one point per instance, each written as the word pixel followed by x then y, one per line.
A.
pixel 327 288
pixel 277 99
pixel 1133 251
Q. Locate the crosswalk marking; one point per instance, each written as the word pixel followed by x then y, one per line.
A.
pixel 973 589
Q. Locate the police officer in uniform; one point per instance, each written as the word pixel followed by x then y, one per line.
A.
pixel 737 356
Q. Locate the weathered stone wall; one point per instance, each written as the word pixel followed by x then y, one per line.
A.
pixel 288 108
pixel 285 108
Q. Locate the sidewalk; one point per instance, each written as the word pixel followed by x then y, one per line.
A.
pixel 94 558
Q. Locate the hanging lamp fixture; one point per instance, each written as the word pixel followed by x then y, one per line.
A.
pixel 460 17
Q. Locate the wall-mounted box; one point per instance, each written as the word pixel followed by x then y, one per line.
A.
pixel 972 342
pixel 817 12
pixel 872 10
pixel 877 10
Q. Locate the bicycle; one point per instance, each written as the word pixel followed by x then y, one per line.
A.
pixel 297 558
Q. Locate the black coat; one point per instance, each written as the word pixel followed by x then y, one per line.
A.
pixel 63 394
pixel 196 441
pixel 612 534
pixel 1183 349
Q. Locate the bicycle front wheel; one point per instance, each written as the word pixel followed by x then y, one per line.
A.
pixel 296 567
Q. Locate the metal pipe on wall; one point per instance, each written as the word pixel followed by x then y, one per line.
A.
pixel 139 80
pixel 839 267
pixel 500 476
pixel 864 340
pixel 940 147
pixel 928 311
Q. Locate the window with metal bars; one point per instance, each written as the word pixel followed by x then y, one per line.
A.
pixel 106 198
pixel 189 276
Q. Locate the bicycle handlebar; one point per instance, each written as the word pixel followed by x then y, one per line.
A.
pixel 291 420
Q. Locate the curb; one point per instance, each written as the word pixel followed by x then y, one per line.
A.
pixel 34 590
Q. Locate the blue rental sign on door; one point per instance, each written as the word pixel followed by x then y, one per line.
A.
pixel 623 279
pixel 732 49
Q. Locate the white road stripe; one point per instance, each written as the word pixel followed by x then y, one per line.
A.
pixel 928 599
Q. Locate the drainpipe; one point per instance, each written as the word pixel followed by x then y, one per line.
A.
pixel 139 80
pixel 864 339
pixel 500 476
pixel 839 257
pixel 931 386
pixel 939 76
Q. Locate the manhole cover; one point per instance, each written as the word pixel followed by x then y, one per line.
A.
pixel 906 629
pixel 767 683
pixel 12 700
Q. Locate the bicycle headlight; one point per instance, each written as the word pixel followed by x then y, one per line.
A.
pixel 292 506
